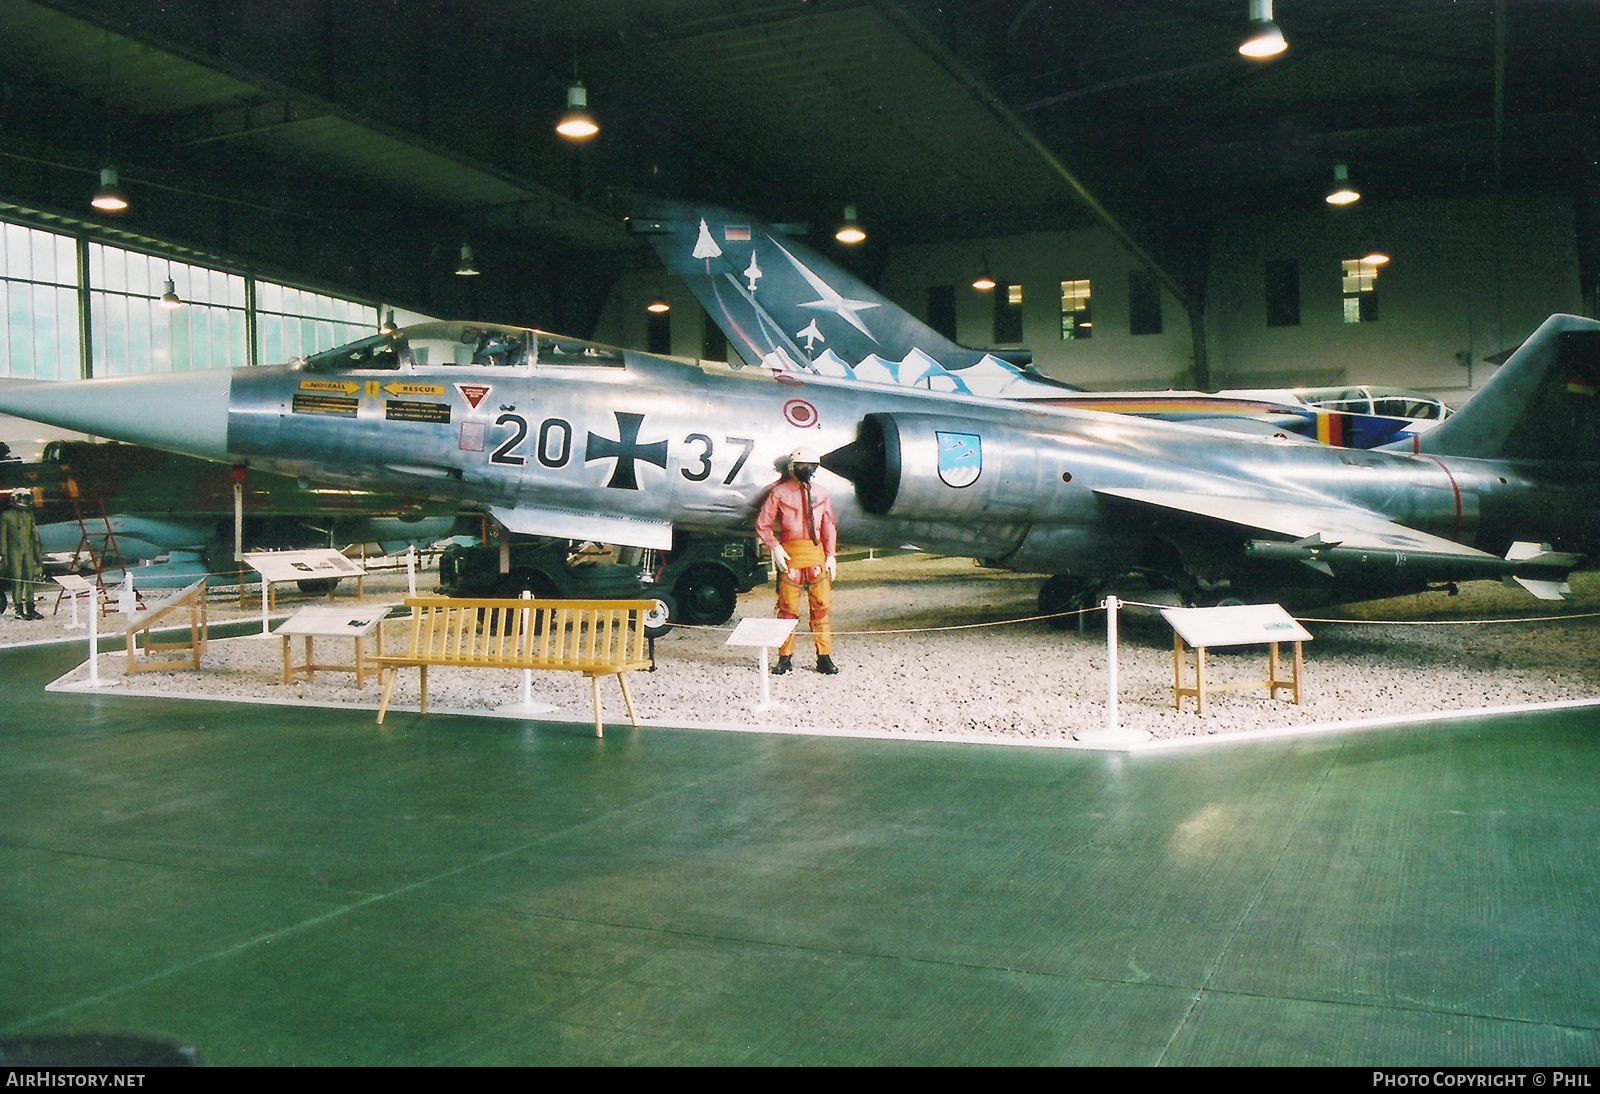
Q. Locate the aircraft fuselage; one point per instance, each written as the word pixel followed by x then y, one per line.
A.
pixel 662 441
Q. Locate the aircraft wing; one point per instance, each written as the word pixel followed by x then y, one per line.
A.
pixel 1351 529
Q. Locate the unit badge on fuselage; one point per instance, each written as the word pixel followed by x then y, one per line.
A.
pixel 960 458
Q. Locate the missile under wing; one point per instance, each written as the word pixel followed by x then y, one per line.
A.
pixel 565 438
pixel 787 307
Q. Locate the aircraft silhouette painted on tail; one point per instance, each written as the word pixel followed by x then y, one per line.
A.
pixel 565 438
pixel 868 338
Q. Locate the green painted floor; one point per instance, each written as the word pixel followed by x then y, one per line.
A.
pixel 280 885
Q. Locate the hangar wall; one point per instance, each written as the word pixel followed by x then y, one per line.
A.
pixel 1469 277
pixel 1040 261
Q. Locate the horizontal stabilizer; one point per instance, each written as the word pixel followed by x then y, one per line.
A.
pixel 572 524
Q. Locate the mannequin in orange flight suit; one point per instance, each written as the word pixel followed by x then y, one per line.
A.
pixel 798 526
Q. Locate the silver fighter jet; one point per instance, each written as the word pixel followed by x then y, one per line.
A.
pixel 560 437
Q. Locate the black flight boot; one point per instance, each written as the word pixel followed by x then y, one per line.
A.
pixel 826 666
pixel 784 665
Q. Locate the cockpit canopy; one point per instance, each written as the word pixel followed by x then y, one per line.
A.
pixel 1385 402
pixel 459 343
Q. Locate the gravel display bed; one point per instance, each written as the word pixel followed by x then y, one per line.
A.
pixel 993 672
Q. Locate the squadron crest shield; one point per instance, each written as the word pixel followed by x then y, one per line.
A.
pixel 960 458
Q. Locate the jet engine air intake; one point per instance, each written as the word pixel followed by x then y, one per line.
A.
pixel 925 467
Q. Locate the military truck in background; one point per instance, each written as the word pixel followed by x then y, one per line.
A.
pixel 697 582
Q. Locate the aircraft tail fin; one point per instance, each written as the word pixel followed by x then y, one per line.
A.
pixel 1543 404
pixel 771 293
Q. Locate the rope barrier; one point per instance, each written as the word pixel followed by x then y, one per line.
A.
pixel 1413 622
pixel 1145 604
pixel 1566 617
pixel 920 630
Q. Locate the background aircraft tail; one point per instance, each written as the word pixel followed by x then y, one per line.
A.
pixel 785 306
pixel 771 292
pixel 1541 404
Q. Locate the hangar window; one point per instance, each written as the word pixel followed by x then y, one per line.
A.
pixel 1283 292
pixel 1077 320
pixel 1007 313
pixel 38 304
pixel 942 310
pixel 1144 303
pixel 1360 291
pixel 294 323
pixel 132 333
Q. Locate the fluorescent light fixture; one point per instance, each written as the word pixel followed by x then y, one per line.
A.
pixel 108 198
pixel 983 282
pixel 387 326
pixel 577 124
pixel 468 268
pixel 850 232
pixel 658 306
pixel 1264 38
pixel 169 299
pixel 1342 193
pixel 1374 255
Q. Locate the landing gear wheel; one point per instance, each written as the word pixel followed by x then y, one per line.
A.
pixel 659 619
pixel 706 596
pixel 1063 593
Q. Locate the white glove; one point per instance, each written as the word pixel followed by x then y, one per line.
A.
pixel 780 557
pixel 832 566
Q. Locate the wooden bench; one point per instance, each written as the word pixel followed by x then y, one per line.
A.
pixel 595 637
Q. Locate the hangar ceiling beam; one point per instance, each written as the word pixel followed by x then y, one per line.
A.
pixel 234 122
pixel 579 223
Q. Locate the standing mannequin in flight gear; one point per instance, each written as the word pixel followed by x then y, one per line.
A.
pixel 798 526
pixel 19 544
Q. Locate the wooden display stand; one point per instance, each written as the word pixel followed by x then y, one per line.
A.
pixel 328 622
pixel 1240 625
pixel 194 599
pixel 1201 689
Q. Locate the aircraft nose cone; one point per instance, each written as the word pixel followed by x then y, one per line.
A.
pixel 183 412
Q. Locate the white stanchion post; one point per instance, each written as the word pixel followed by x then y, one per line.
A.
pixel 1111 663
pixel 766 690
pixel 94 645
pixel 266 629
pixel 74 624
pixel 527 704
pixel 411 570
pixel 127 600
pixel 527 674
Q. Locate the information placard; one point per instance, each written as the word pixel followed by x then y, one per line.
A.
pixel 1235 625
pixel 320 621
pixel 322 562
pixel 762 632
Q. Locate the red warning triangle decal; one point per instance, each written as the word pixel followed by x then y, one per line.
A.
pixel 474 393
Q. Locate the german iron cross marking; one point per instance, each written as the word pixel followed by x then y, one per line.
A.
pixel 625 450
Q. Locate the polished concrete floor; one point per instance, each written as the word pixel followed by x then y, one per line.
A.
pixel 280 885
